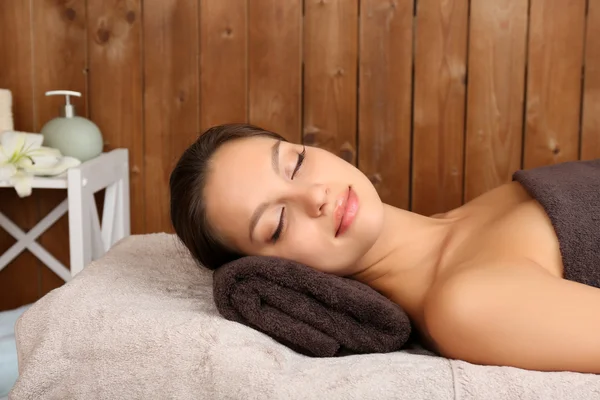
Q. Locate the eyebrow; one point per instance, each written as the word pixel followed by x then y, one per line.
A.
pixel 263 206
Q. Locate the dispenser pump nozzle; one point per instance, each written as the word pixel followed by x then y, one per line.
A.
pixel 68 110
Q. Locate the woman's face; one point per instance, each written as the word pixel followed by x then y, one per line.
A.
pixel 271 198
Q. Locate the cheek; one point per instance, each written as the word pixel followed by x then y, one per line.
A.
pixel 310 246
pixel 305 240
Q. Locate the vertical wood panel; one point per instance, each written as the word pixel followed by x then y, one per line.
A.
pixel 496 87
pixel 171 98
pixel 209 62
pixel 115 87
pixel 330 92
pixel 19 281
pixel 275 66
pixel 554 81
pixel 385 97
pixel 60 62
pixel 223 62
pixel 439 105
pixel 590 140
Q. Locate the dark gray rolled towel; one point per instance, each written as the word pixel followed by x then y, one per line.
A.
pixel 569 192
pixel 312 312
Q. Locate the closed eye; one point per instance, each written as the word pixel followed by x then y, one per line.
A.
pixel 279 229
pixel 277 232
pixel 301 157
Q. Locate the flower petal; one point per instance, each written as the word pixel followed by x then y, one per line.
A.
pixel 23 183
pixel 16 143
pixel 23 162
pixel 3 155
pixel 7 171
pixel 11 143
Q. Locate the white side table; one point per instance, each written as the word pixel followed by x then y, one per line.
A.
pixel 88 239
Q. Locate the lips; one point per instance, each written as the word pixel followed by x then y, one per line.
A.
pixel 345 211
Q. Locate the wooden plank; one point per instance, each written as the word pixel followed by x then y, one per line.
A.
pixel 59 52
pixel 497 52
pixel 330 73
pixel 439 105
pixel 556 42
pixel 19 280
pixel 385 97
pixel 171 98
pixel 223 62
pixel 275 66
pixel 114 40
pixel 590 135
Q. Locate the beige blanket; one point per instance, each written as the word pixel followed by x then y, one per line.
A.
pixel 141 324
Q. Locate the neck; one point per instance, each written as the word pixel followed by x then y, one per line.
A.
pixel 403 262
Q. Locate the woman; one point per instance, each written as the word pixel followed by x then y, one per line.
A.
pixel 482 283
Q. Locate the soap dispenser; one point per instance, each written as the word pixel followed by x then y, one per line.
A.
pixel 74 136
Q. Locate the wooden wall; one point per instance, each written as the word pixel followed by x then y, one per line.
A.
pixel 436 101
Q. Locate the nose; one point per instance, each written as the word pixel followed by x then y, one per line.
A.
pixel 312 198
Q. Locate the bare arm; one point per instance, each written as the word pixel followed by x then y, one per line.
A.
pixel 516 316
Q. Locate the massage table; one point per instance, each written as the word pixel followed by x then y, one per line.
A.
pixel 141 323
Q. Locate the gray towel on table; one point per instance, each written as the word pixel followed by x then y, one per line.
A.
pixel 310 311
pixel 569 192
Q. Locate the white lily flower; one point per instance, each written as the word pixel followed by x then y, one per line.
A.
pixel 22 156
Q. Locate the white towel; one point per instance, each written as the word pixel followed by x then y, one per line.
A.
pixel 6 116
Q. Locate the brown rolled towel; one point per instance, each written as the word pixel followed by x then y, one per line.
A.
pixel 569 192
pixel 312 312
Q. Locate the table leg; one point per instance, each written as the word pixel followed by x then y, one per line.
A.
pixel 80 232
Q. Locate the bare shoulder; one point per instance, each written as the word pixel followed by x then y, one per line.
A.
pixel 516 315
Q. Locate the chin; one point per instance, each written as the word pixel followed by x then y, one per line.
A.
pixel 369 219
pixel 363 234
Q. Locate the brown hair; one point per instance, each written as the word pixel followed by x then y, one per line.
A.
pixel 187 182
